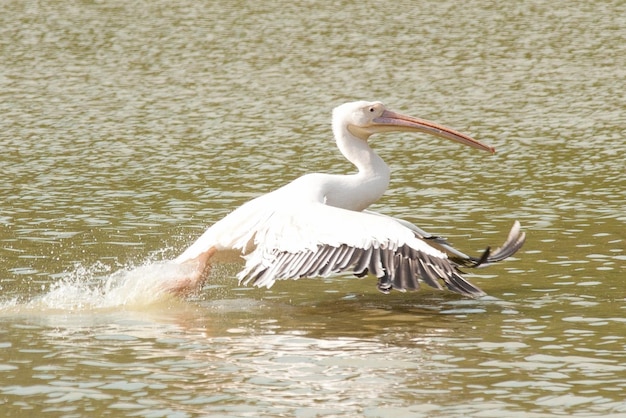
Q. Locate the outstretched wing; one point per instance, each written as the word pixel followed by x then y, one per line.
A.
pixel 319 240
pixel 513 243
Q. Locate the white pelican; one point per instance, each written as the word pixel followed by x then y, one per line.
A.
pixel 317 225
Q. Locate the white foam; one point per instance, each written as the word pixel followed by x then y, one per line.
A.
pixel 93 288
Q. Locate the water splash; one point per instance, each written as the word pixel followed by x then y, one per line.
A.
pixel 95 288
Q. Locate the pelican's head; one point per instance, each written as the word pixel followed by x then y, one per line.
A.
pixel 363 119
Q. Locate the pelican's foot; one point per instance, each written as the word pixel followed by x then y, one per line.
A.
pixel 193 275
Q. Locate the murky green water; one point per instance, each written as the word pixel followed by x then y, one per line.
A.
pixel 127 127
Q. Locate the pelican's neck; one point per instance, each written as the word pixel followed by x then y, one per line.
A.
pixel 372 179
pixel 359 153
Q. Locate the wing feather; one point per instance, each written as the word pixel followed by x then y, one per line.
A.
pixel 375 264
pixel 363 260
pixel 322 260
pixel 318 240
pixel 427 274
pixel 307 261
pixel 297 262
pixel 348 258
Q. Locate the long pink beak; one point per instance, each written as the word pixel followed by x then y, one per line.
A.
pixel 392 121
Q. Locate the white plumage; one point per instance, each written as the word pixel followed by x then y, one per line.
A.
pixel 317 225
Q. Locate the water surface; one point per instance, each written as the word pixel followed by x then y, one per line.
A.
pixel 127 128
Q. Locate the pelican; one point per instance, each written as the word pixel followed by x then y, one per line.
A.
pixel 318 224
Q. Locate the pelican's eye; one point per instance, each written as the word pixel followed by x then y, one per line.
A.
pixel 372 109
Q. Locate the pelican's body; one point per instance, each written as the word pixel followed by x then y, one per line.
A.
pixel 317 225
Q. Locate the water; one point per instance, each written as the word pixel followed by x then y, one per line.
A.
pixel 127 128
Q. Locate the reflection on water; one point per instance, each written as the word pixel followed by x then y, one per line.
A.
pixel 128 127
pixel 243 355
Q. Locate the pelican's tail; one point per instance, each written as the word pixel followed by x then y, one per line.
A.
pixel 513 243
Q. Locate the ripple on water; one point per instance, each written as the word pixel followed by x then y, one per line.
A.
pixel 128 127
